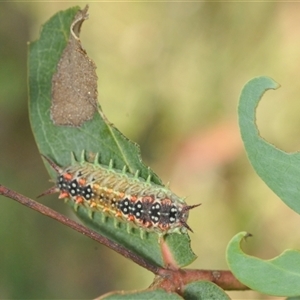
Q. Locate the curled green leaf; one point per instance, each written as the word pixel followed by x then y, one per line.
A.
pixel 278 169
pixel 279 276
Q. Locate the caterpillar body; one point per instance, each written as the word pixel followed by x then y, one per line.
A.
pixel 122 195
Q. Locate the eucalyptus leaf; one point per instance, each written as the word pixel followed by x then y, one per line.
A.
pixel 278 169
pixel 95 135
pixel 138 295
pixel 204 290
pixel 279 276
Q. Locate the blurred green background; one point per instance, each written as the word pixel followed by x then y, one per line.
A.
pixel 170 75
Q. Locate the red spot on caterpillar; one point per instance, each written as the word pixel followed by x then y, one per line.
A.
pixel 63 195
pixel 130 218
pixel 79 200
pixel 118 214
pixel 82 181
pixel 67 176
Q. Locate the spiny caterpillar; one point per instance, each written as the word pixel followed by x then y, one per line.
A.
pixel 124 196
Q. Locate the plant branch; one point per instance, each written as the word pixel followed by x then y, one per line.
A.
pixel 168 279
pixel 78 227
pixel 223 278
pixel 175 280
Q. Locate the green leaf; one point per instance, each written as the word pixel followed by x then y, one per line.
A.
pixel 145 295
pixel 204 290
pixel 279 276
pixel 59 141
pixel 94 136
pixel 278 169
pixel 199 290
pixel 148 247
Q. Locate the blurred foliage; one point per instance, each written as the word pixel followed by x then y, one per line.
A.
pixel 170 75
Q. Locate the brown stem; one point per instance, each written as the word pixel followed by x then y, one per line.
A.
pixel 175 280
pixel 223 278
pixel 170 280
pixel 78 227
